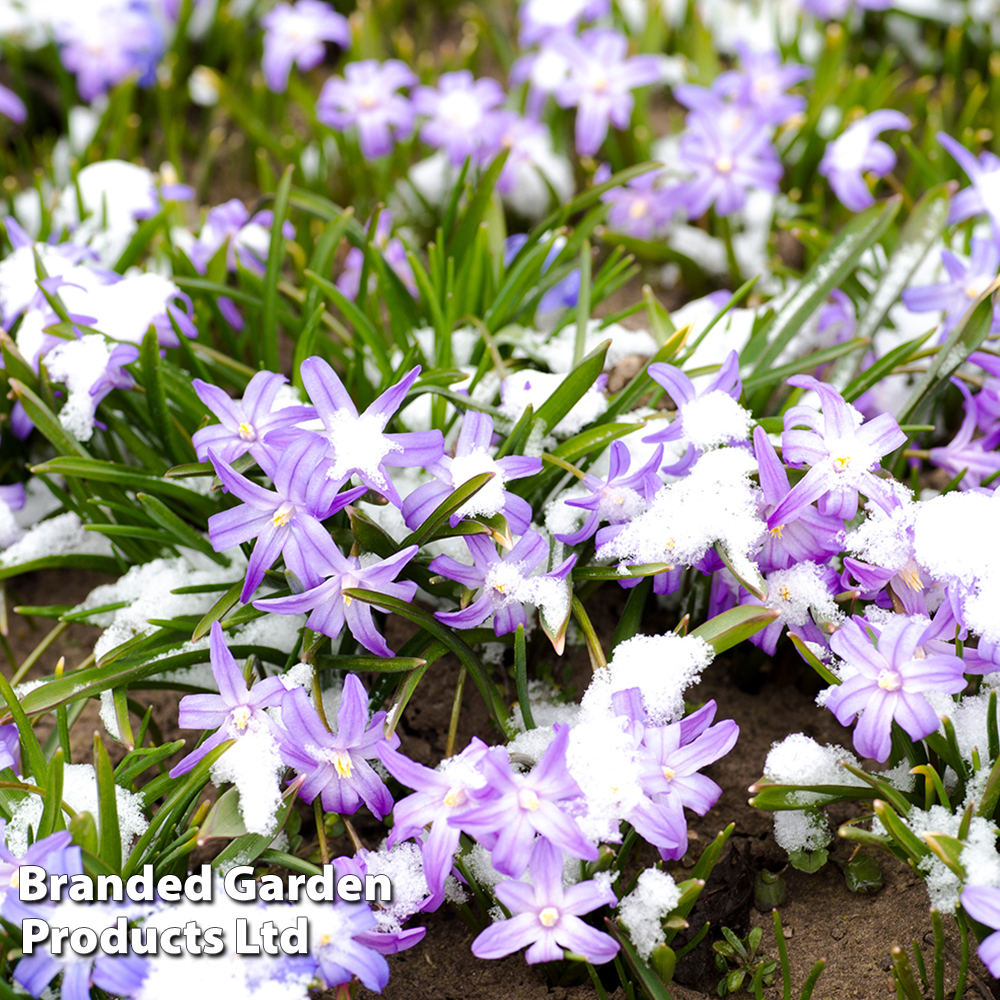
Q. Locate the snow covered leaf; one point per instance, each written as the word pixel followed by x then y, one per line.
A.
pixel 921 230
pixel 948 849
pixel 573 388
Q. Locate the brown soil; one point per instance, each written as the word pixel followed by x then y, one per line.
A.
pixel 822 918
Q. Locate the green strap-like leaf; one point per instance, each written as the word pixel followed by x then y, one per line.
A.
pixel 964 339
pixel 268 336
pixel 922 229
pixel 733 626
pixel 109 832
pixel 831 268
pixel 454 642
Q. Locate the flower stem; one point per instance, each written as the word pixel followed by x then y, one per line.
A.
pixel 456 708
pixel 324 850
pixel 727 239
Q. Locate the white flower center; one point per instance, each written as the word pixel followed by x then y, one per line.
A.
pixel 548 917
pixel 358 445
pixel 619 504
pixel 505 579
pixel 724 164
pixel 889 680
pixel 283 514
pixel 527 799
pixel 460 109
pixel 241 716
pixel 247 433
pixel 455 797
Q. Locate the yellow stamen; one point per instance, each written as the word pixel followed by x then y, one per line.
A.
pixel 840 464
pixel 283 515
pixel 454 797
pixel 724 164
pixel 668 773
pixel 247 432
pixel 344 765
pixel 241 716
pixel 548 917
pixel 776 532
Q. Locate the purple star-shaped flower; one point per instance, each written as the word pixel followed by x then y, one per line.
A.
pixel 984 194
pixel 56 854
pixel 968 277
pixel 669 759
pixel 528 144
pixel 249 237
pixel 642 207
pixel 977 458
pixel 438 795
pixel 618 498
pixel 507 584
pixel 456 111
pixel 105 50
pixel 540 19
pixel 341 945
pixel 471 459
pixel 511 808
pixel 121 975
pixel 380 939
pixel 367 98
pixel 791 594
pixel 245 422
pixel 761 85
pixel 296 36
pixel 842 457
pixel 285 520
pixel 600 83
pixel 811 537
pixel 234 711
pixel 331 607
pixel 682 392
pixel 546 916
pixel 336 764
pixel 729 151
pixel 357 443
pixel 886 679
pixel 857 152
